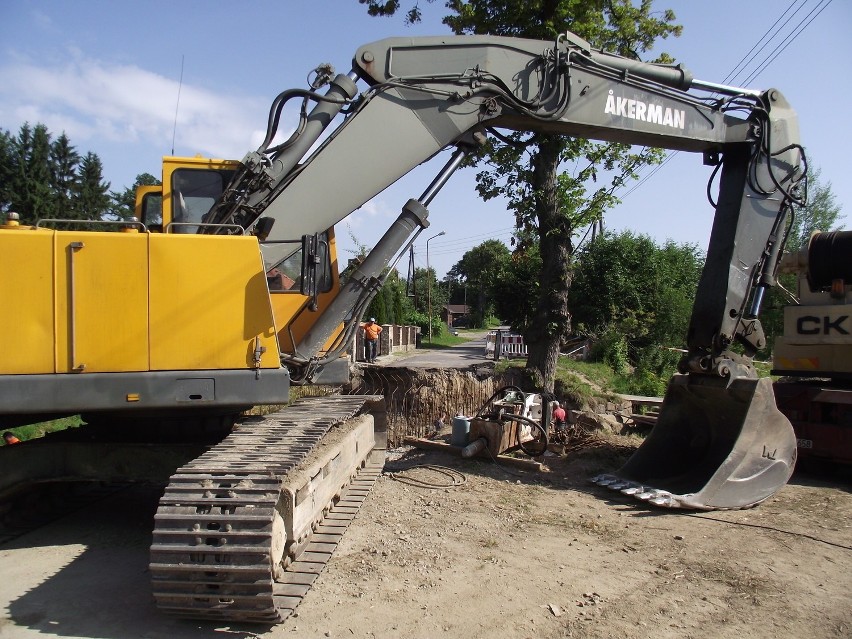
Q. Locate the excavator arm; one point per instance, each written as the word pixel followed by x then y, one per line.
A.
pixel 427 94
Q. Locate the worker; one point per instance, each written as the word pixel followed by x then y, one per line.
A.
pixel 558 416
pixel 10 438
pixel 371 339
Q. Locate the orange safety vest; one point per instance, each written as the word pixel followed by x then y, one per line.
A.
pixel 371 331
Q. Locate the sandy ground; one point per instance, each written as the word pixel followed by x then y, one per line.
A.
pixel 507 553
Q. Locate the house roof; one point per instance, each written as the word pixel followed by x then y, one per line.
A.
pixel 457 309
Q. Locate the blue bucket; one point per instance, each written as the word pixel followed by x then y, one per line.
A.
pixel 461 429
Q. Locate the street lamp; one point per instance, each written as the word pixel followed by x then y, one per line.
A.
pixel 429 283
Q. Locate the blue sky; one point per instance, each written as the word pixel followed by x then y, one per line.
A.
pixel 107 73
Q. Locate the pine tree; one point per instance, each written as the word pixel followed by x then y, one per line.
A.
pixel 7 151
pixel 64 163
pixel 29 190
pixel 92 200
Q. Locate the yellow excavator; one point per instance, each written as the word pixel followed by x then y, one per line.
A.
pixel 227 292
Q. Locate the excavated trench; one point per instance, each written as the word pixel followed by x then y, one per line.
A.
pixel 417 397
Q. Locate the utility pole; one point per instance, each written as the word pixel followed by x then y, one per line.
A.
pixel 429 283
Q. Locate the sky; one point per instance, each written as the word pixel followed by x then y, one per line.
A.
pixel 133 81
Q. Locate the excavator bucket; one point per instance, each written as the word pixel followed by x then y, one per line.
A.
pixel 715 446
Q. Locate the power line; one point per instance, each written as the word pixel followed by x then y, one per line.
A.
pixel 733 74
pixel 762 66
pixel 797 31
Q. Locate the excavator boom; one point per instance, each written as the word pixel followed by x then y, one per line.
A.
pixel 426 94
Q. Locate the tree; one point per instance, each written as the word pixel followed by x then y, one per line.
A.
pixel 42 179
pixel 627 280
pixel 551 206
pixel 64 164
pixel 483 267
pixel 29 187
pixel 92 200
pixel 7 172
pixel 519 288
pixel 123 204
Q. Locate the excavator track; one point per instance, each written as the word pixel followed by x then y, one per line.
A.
pixel 231 541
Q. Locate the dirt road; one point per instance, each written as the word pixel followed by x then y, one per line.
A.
pixel 505 554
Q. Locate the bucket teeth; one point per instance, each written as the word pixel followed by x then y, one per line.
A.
pixel 633 490
pixel 648 494
pixel 605 480
pixel 665 500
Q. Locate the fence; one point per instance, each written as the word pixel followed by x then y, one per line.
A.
pixel 394 338
pixel 504 344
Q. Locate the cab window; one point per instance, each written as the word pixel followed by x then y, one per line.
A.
pixel 152 210
pixel 194 191
pixel 285 276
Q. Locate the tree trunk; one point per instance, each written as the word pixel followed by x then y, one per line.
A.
pixel 551 321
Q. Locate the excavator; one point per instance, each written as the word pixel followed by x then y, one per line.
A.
pixel 228 293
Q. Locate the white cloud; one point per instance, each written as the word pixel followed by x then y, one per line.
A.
pixel 91 99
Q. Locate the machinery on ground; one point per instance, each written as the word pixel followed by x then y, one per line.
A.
pixel 814 355
pixel 158 337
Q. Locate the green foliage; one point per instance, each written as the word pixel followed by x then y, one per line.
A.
pixel 610 347
pixel 484 269
pixel 42 179
pixel 93 201
pixel 65 162
pixel 652 372
pixel 34 431
pixel 519 288
pixel 625 283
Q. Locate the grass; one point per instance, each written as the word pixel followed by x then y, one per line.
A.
pixel 443 341
pixel 34 431
pixel 448 340
pixel 582 382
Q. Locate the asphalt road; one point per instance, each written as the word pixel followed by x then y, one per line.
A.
pixel 460 356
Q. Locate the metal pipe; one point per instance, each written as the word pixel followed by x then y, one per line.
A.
pixel 441 179
pixel 724 88
pixel 73 247
pixel 414 217
pixel 429 283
